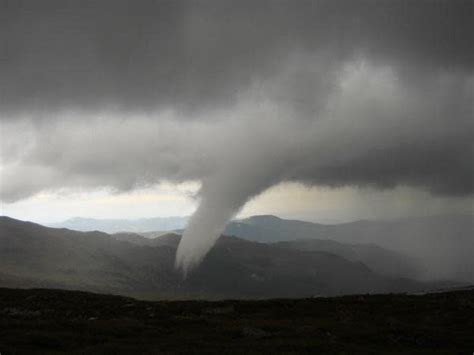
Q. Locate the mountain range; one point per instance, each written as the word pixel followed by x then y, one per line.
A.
pixel 427 248
pixel 32 255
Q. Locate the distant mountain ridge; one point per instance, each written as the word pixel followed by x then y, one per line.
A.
pixel 140 225
pixel 35 256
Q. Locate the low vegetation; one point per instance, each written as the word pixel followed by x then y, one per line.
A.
pixel 70 322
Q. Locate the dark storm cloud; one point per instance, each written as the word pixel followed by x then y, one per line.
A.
pixel 140 55
pixel 240 95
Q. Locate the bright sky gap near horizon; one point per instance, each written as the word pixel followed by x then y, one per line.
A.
pixel 292 201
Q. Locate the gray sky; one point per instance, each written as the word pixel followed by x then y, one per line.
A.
pixel 363 97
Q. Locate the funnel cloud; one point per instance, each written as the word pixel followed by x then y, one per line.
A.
pixel 239 96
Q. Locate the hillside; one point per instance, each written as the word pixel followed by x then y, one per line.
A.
pixel 35 256
pixel 65 322
pixel 440 247
pixel 381 260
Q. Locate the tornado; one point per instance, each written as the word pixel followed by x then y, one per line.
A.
pixel 221 199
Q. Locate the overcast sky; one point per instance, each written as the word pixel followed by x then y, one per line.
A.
pixel 350 108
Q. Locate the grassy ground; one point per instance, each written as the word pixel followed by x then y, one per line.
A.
pixel 53 321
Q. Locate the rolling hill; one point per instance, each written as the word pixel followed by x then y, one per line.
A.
pixel 32 255
pixel 440 247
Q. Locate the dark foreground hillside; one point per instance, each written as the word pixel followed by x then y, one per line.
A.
pixel 53 321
